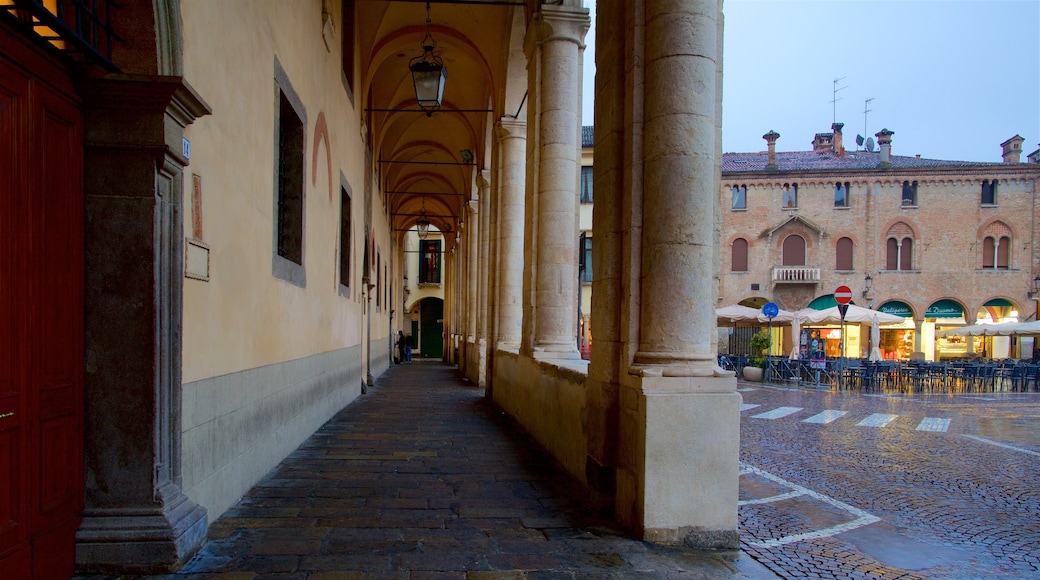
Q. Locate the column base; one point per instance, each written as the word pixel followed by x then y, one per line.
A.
pixel 678 478
pixel 555 352
pixel 140 540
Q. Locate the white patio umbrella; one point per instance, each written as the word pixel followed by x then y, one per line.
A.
pixel 796 330
pixel 1005 329
pixel 875 339
pixel 737 313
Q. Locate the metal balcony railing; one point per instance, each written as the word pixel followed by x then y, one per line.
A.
pixel 80 28
pixel 796 274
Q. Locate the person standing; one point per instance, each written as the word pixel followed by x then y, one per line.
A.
pixel 408 348
pixel 400 347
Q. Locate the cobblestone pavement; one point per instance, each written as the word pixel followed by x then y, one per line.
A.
pixel 422 478
pixel 846 485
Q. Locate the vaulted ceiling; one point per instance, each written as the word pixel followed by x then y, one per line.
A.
pixel 420 159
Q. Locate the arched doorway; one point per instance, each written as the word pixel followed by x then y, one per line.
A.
pixel 428 328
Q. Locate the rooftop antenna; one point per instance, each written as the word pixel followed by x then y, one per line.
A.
pixel 866 109
pixel 835 99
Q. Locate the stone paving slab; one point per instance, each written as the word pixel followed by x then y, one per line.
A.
pixel 424 478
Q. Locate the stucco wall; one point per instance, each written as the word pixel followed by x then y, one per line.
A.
pixel 239 426
pixel 549 402
pixel 244 317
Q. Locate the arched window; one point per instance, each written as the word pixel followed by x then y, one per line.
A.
pixel 996 246
pixel 794 251
pixel 899 247
pixel 739 258
pixel 906 254
pixel 843 251
pixel 1003 251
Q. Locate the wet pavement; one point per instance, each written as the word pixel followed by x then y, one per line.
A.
pixel 423 478
pixel 847 485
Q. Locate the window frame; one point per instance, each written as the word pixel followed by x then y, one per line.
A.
pixel 911 187
pixel 346 231
pixel 585 273
pixel 289 248
pixel 742 247
pixel 784 252
pixel 740 190
pixel 989 192
pixel 426 249
pixel 790 192
pixel 845 187
pixel 849 254
pixel 585 191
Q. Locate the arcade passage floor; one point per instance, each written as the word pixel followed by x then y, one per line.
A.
pixel 422 478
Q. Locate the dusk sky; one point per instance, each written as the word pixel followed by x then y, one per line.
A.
pixel 953 79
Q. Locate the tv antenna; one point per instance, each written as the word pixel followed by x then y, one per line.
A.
pixel 835 99
pixel 866 109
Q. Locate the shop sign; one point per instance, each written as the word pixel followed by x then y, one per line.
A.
pixel 944 309
pixel 897 308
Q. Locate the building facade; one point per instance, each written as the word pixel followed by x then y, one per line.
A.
pixel 942 243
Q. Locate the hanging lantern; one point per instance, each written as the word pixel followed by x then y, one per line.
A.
pixel 428 73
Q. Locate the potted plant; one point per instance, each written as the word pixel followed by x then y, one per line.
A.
pixel 759 346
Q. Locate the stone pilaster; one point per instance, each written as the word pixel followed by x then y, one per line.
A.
pixel 512 136
pixel 483 241
pixel 472 268
pixel 554 45
pixel 136 517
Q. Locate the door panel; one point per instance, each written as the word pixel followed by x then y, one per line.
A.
pixel 14 236
pixel 41 322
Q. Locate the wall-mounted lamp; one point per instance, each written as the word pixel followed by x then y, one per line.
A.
pixel 1035 293
pixel 467 155
pixel 868 285
pixel 428 73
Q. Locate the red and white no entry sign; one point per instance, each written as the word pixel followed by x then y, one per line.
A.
pixel 843 295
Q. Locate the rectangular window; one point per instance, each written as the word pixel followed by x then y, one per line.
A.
pixel 289 181
pixel 585 262
pixel 345 228
pixel 909 193
pixel 430 262
pixel 841 194
pixel 989 192
pixel 586 184
pixel 379 280
pixel 790 200
pixel 739 197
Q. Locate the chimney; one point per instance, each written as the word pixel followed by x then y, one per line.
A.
pixel 884 141
pixel 837 147
pixel 823 142
pixel 1034 157
pixel 1013 149
pixel 771 138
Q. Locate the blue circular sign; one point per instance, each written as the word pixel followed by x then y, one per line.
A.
pixel 770 310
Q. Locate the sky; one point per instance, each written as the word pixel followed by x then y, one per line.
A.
pixel 952 78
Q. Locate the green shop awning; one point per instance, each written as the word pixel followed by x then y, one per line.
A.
pixel 824 302
pixel 897 308
pixel 944 308
pixel 999 303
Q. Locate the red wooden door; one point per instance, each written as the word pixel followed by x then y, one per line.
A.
pixel 41 313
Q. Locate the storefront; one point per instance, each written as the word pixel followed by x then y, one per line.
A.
pixel 942 315
pixel 897 342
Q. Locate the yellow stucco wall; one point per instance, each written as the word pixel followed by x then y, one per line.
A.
pixel 244 317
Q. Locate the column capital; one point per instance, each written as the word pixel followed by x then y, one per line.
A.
pixel 484 180
pixel 552 23
pixel 510 127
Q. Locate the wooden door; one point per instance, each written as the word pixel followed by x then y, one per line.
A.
pixel 41 314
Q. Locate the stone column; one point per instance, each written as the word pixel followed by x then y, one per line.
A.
pixel 512 136
pixel 679 420
pixel 677 319
pixel 483 242
pixel 136 517
pixel 472 267
pixel 554 46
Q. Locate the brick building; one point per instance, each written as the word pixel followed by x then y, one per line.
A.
pixel 942 243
